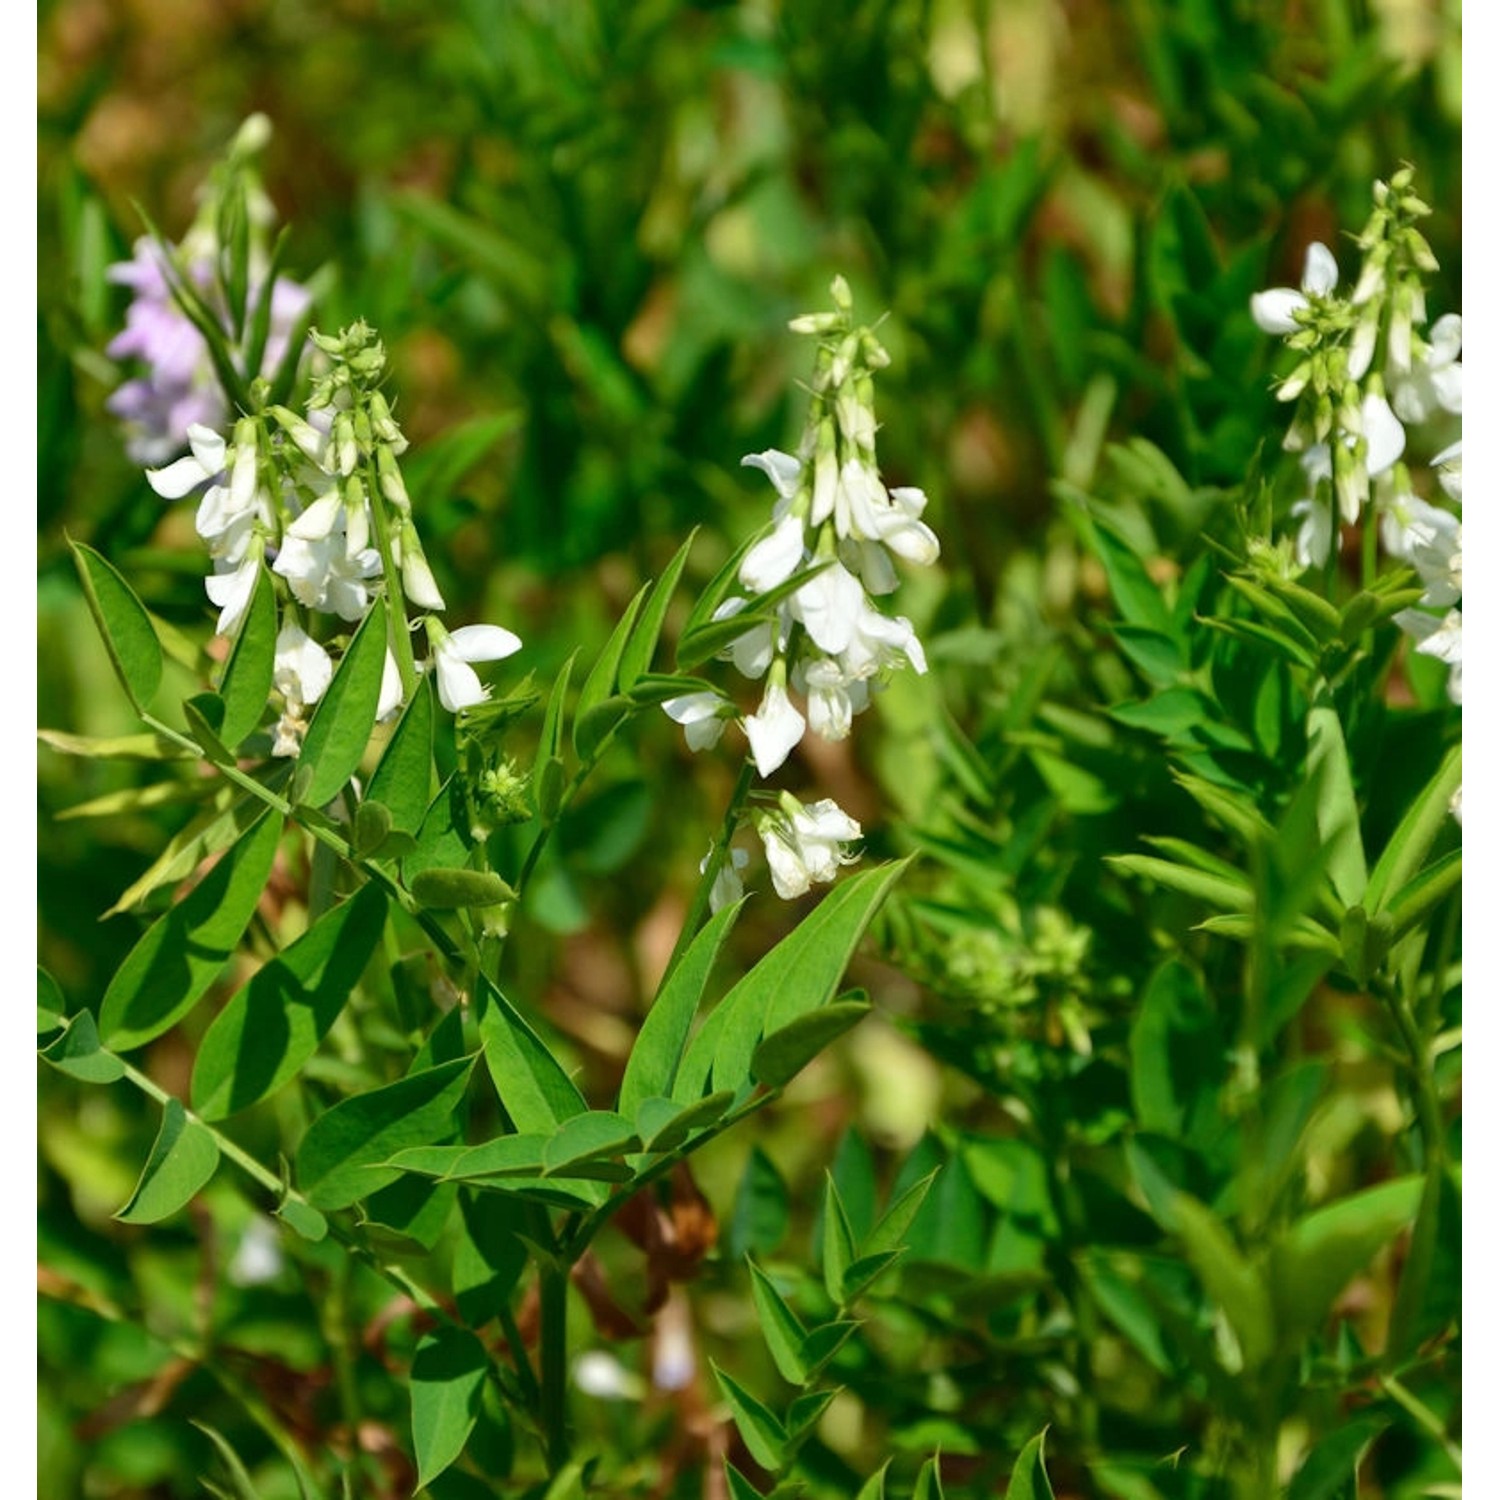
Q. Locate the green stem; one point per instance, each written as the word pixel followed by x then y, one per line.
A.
pixel 554 1386
pixel 1423 1416
pixel 717 854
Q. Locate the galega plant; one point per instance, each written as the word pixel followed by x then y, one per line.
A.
pixel 364 1075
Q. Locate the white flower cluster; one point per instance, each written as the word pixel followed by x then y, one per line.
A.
pixel 827 643
pixel 1352 436
pixel 322 498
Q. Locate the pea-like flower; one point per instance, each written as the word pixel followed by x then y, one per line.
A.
pixel 806 844
pixel 1276 311
pixel 458 683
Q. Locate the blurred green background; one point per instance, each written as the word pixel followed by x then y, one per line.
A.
pixel 581 229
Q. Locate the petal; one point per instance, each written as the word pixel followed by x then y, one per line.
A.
pixel 484 642
pixel 780 468
pixel 318 520
pixel 774 558
pixel 1384 435
pixel 1447 339
pixel 178 479
pixel 1320 271
pixel 1273 310
pixel 458 683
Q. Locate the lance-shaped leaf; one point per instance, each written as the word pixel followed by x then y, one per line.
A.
pixel 664 1124
pixel 447 1377
pixel 403 780
pixel 1231 1280
pixel 1338 813
pixel 1416 901
pixel 785 1052
pixel 764 1435
pixel 929 1484
pixel 800 974
pixel 1416 833
pixel 839 1249
pixel 168 970
pixel 239 1476
pixel 272 1025
pixel 600 683
pixel 342 1156
pixel 340 729
pixel 537 1094
pixel 1028 1480
pixel 583 1139
pixel 124 625
pixel 183 1159
pixel 780 1327
pixel 652 1067
pixel 246 687
pixel 635 660
pixel 1322 1252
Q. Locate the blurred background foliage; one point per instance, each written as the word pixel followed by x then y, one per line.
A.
pixel 581 229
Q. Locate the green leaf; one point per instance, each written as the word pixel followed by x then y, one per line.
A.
pixel 1176 1053
pixel 239 1477
pixel 1416 833
pixel 447 1376
pixel 403 779
pixel 890 1233
pixel 183 1159
pixel 246 685
pixel 874 1487
pixel 595 1133
pixel 838 1242
pixel 803 1414
pixel 180 955
pixel 537 1094
pixel 800 974
pixel 822 1343
pixel 600 683
pixel 1330 1469
pixel 303 1219
pixel 779 1326
pixel 51 1007
pixel 699 642
pixel 1230 1279
pixel 652 1066
pixel 929 1484
pixel 764 1436
pixel 635 660
pixel 443 839
pixel 272 1025
pixel 77 1052
pixel 447 890
pixel 670 1123
pixel 864 1272
pixel 784 1053
pixel 1138 599
pixel 762 1211
pixel 549 743
pixel 1338 814
pixel 341 1156
pixel 1419 898
pixel 1322 1252
pixel 340 730
pixel 1216 890
pixel 488 1258
pixel 1429 1294
pixel 1028 1480
pixel 124 625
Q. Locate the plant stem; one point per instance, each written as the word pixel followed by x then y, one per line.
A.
pixel 554 1334
pixel 717 854
pixel 396 624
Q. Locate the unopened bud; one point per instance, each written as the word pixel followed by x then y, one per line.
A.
pixel 392 486
pixel 843 298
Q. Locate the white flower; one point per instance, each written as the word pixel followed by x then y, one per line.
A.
pixel 257 1258
pixel 1315 533
pixel 1436 379
pixel 1449 468
pixel 775 729
pixel 1442 639
pixel 390 689
pixel 701 716
pixel 805 844
pixel 324 574
pixel 320 517
pixel 1385 441
pixel 727 887
pixel 1432 542
pixel 205 461
pixel 231 590
pixel 1275 311
pixel 831 697
pixel 417 580
pixel 784 471
pixel 1456 804
pixel 752 651
pixel 458 683
pixel 879 641
pixel 602 1376
pixel 828 606
pixel 775 557
pixel 303 669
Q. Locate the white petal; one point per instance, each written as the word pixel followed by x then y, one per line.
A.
pixel 208 447
pixel 774 558
pixel 458 683
pixel 318 519
pixel 780 468
pixel 178 479
pixel 774 730
pixel 1320 271
pixel 1273 310
pixel 390 689
pixel 483 642
pixel 1385 436
pixel 1447 339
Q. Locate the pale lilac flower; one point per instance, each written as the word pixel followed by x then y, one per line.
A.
pixel 1275 311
